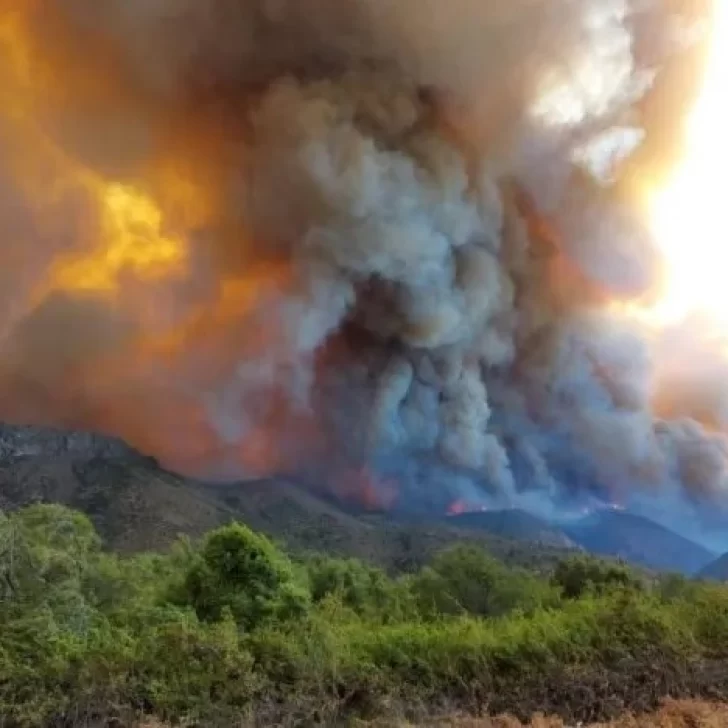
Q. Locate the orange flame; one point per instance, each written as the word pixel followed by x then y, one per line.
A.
pixel 461 506
pixel 170 332
pixel 363 487
pixel 132 240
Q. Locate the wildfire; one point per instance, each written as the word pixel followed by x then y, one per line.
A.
pixel 132 241
pixel 105 244
pixel 157 286
pixel 363 486
pixel 688 213
pixel 461 506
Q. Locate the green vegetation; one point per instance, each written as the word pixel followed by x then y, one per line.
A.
pixel 231 629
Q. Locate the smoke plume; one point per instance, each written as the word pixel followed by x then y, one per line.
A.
pixel 369 242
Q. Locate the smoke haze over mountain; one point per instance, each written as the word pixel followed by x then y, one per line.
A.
pixel 369 242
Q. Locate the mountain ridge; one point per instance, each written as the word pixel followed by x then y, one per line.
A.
pixel 138 505
pixel 637 539
pixel 716 570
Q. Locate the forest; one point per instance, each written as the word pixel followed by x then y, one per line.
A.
pixel 233 630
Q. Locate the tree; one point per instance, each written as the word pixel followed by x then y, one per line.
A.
pixel 578 575
pixel 45 550
pixel 241 571
pixel 13 555
pixel 465 579
pixel 365 589
pixel 57 528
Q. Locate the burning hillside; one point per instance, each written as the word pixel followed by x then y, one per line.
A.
pixel 372 242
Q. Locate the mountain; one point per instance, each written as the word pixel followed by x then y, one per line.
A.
pixel 134 504
pixel 137 505
pixel 638 540
pixel 717 569
pixel 515 524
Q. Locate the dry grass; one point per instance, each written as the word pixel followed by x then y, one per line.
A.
pixel 678 714
pixel 673 714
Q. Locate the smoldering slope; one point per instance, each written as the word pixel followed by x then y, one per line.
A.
pixel 391 274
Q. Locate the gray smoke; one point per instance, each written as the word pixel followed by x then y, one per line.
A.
pixel 398 159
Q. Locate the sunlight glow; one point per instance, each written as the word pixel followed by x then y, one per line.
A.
pixel 688 214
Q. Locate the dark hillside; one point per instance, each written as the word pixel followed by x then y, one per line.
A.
pixel 515 524
pixel 638 540
pixel 137 506
pixel 717 570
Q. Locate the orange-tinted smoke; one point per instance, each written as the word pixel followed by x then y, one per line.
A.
pixel 361 486
pixel 127 318
pixel 567 284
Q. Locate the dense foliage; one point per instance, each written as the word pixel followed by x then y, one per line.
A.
pixel 232 630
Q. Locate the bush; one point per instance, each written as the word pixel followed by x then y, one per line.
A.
pixel 229 631
pixel 466 580
pixel 368 591
pixel 580 574
pixel 242 572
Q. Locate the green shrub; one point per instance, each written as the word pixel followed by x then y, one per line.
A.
pixel 242 572
pixel 230 631
pixel 466 580
pixel 577 575
pixel 367 590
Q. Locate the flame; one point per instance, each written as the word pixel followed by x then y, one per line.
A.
pixel 461 506
pixel 362 486
pixel 161 319
pixel 688 213
pixel 132 241
pixel 144 385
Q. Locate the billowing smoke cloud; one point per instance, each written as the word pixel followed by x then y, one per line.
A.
pixel 352 239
